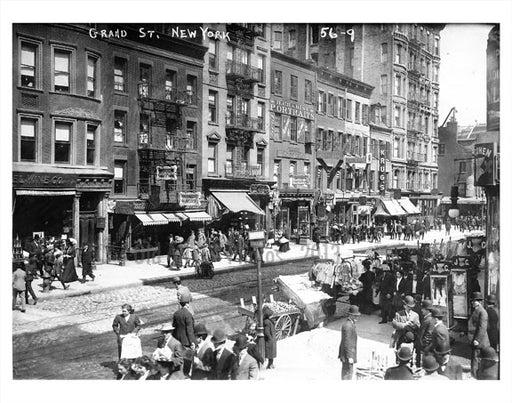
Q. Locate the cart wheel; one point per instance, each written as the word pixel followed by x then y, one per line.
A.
pixel 283 327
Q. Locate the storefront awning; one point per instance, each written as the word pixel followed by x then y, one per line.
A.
pixel 174 217
pixel 237 201
pixel 409 208
pixel 152 219
pixel 45 192
pixel 390 207
pixel 364 210
pixel 381 211
pixel 198 216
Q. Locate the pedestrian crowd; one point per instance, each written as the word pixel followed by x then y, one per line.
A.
pixel 52 260
pixel 186 349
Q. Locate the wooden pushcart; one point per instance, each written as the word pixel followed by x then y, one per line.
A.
pixel 286 322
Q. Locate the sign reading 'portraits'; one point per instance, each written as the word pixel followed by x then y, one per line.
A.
pixel 292 109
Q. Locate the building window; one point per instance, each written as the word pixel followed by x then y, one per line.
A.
pixel 384 52
pixel 212 107
pixel 29 65
pixel 62 70
pixel 119 74
pixel 278 134
pixel 365 115
pixel 261 116
pixel 349 110
pixel 91 145
pixel 294 87
pixel 260 160
pixel 278 40
pixel 170 84
pixel 144 128
pixel 321 105
pixel 293 170
pixel 314 33
pixel 396 174
pixel 63 131
pixel 192 89
pixel 319 179
pixel 351 57
pixel 398 85
pixel 212 54
pixel 307 170
pixel 28 133
pixel 261 68
pixel 307 131
pixel 276 176
pixel 119 126
pixel 145 77
pixel 292 38
pixel 442 148
pixel 92 76
pixel 398 120
pixel 119 177
pixel 229 159
pixel 358 112
pixel 436 46
pixel 212 158
pixel 191 135
pixel 462 167
pixel 308 91
pixel 383 84
pixel 293 128
pixel 434 155
pixel 398 54
pixel 396 147
pixel 277 85
pixel 230 100
pixel 190 177
pixel 330 104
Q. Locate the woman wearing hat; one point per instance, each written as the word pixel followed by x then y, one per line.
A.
pixel 69 274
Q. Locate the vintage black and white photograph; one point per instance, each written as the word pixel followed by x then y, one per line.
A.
pixel 272 201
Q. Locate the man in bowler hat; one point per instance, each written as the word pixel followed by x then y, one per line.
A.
pixel 402 372
pixel 430 366
pixel 224 359
pixel 447 366
pixel 348 346
pixel 424 338
pixel 440 335
pixel 479 319
pixel 489 369
pixel 493 325
pixel 246 365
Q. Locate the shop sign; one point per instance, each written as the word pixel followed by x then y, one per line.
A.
pixel 293 154
pixel 329 198
pixel 189 199
pixel 259 189
pixel 124 207
pixel 292 109
pixel 167 173
pixel 486 166
pixel 38 180
pixel 301 180
pixel 382 171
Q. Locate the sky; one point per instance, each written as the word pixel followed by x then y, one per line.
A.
pixel 462 74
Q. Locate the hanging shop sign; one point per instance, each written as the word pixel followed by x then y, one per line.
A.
pixel 256 189
pixel 169 172
pixel 189 199
pixel 301 180
pixel 292 153
pixel 41 180
pixel 292 109
pixel 382 171
pixel 486 167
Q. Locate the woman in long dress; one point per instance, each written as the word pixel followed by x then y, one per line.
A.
pixel 69 274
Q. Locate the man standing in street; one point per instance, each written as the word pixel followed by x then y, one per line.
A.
pixel 348 346
pixel 493 326
pixel 405 320
pixel 18 287
pixel 447 366
pixel 424 338
pixel 204 357
pixel 402 372
pixel 430 366
pixel 225 360
pixel 247 366
pixel 440 335
pixel 480 340
pixel 182 293
pixel 385 291
pixel 183 322
pixel 125 323
pixel 87 261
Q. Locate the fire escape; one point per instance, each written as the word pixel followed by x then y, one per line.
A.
pixel 162 145
pixel 241 78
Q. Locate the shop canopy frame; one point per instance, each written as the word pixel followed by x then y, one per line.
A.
pixel 237 201
pixel 407 205
pixel 150 219
pixel 389 208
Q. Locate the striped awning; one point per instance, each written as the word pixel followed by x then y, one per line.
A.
pixel 198 216
pixel 364 210
pixel 173 217
pixel 407 205
pixel 45 192
pixel 152 219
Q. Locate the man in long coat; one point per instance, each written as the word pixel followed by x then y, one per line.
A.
pixel 348 346
pixel 479 320
pixel 402 372
pixel 183 322
pixel 493 326
pixel 385 292
pixel 440 335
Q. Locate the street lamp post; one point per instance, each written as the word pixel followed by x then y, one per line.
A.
pixel 257 240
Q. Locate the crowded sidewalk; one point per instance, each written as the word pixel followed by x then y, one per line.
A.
pixel 154 270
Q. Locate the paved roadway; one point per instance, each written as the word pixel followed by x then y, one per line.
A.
pixel 73 339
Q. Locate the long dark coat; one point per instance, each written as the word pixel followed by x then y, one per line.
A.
pixel 69 273
pixel 348 344
pixel 269 330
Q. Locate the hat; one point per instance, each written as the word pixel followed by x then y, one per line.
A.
pixel 200 329
pixel 418 297
pixel 404 354
pixel 185 296
pixel 426 304
pixel 72 241
pixel 491 299
pixel 178 239
pixel 409 301
pixel 430 364
pixel 176 280
pixel 443 348
pixel 219 336
pixel 241 342
pixel 476 296
pixel 367 263
pixel 353 310
pixel 409 336
pixel 436 313
pixel 167 328
pixel 488 353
